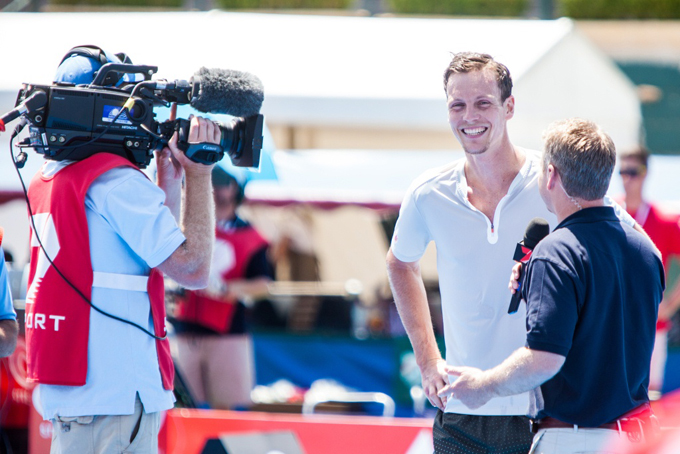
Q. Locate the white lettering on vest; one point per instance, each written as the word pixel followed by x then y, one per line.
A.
pixel 56 319
pixel 38 320
pixel 48 236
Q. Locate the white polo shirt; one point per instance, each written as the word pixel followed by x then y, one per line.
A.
pixel 131 231
pixel 474 260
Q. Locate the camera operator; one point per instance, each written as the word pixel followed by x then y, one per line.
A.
pixel 104 382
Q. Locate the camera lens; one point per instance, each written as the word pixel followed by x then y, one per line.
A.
pixel 138 111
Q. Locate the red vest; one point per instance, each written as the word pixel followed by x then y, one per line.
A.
pixel 197 307
pixel 57 317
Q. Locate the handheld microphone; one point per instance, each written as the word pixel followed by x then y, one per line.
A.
pixel 537 229
pixel 225 91
pixel 33 102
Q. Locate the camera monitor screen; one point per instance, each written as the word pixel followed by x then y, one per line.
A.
pixel 110 112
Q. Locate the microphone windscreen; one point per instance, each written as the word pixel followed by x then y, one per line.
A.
pixel 226 91
pixel 537 229
pixel 36 100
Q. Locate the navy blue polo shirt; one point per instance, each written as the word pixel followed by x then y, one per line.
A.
pixel 593 288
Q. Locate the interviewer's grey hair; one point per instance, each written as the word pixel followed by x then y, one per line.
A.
pixel 583 154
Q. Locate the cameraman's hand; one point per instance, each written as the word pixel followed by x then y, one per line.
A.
pixel 201 130
pixel 171 162
pixel 189 265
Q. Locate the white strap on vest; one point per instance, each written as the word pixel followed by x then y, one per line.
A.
pixel 116 281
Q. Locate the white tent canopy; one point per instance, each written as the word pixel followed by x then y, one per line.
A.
pixel 343 71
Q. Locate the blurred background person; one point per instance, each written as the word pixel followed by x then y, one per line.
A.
pixel 213 351
pixel 293 248
pixel 664 230
pixel 9 329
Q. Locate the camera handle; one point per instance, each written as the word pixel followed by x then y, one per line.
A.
pixel 204 152
pixel 107 73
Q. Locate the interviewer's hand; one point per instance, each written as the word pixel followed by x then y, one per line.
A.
pixel 470 387
pixel 514 278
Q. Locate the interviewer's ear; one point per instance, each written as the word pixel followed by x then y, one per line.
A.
pixel 551 177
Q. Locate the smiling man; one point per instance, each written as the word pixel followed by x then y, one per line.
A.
pixel 475 210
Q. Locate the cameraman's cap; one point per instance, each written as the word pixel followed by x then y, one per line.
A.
pixel 222 177
pixel 80 65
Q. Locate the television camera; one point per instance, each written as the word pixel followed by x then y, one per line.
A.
pixel 72 122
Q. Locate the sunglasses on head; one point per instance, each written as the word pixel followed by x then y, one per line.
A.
pixel 635 172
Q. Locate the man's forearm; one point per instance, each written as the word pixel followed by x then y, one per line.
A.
pixel 189 264
pixel 249 288
pixel 173 199
pixel 198 221
pixel 9 330
pixel 411 301
pixel 523 371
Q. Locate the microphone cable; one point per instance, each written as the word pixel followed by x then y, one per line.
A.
pixel 49 259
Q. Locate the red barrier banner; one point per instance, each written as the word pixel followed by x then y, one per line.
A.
pixel 186 431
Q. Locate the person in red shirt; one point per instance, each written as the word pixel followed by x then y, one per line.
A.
pixel 664 230
pixel 213 349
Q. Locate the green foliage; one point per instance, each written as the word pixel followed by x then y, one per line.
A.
pixel 507 8
pixel 125 3
pixel 283 4
pixel 576 9
pixel 620 9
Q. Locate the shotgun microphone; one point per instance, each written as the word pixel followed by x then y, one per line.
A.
pixel 225 91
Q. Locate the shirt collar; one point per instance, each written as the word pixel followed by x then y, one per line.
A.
pixel 592 214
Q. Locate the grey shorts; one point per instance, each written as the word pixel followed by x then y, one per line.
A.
pixel 102 434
